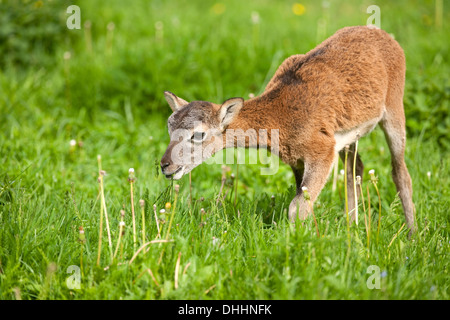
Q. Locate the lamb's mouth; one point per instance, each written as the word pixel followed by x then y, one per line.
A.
pixel 170 176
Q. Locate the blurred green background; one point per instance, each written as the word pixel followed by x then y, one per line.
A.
pixel 203 50
pixel 102 86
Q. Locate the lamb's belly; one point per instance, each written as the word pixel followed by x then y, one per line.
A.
pixel 348 137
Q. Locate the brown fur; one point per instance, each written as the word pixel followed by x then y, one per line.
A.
pixel 354 77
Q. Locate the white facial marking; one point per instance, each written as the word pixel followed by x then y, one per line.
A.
pixel 179 174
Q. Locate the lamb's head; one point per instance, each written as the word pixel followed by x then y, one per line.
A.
pixel 197 131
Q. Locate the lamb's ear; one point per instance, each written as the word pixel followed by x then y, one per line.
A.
pixel 229 110
pixel 174 102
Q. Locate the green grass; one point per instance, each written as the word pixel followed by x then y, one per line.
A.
pixel 111 99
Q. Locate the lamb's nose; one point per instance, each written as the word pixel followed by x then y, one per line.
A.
pixel 164 165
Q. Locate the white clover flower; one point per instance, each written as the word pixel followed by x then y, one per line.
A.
pixel 325 4
pixel 131 170
pixel 372 172
pixel 67 55
pixel 111 26
pixel 121 224
pixel 159 25
pixel 305 193
pixel 73 143
pixel 162 211
pixel 255 17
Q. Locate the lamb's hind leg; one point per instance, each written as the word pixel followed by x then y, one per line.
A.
pixel 359 169
pixel 314 178
pixel 393 126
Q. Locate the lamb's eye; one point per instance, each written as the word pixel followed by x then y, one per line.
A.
pixel 198 136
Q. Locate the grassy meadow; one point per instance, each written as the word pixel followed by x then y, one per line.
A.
pixel 67 96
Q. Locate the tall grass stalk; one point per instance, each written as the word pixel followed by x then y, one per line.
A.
pixel 142 205
pixel 190 192
pixel 131 179
pixel 359 183
pixel 396 235
pixel 144 246
pixel 82 241
pixel 347 258
pixel 159 31
pixel 439 12
pixel 100 233
pixel 103 210
pixel 346 193
pixel 67 56
pixel 166 238
pixel 369 220
pixel 157 222
pixel 88 35
pixel 355 193
pixel 121 228
pixel 255 34
pixel 236 183
pixel 393 238
pixel 177 270
pixel 373 179
pixel 109 37
pixel 177 189
pixel 102 189
pixel 225 169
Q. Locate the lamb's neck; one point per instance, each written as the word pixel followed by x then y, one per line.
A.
pixel 252 127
